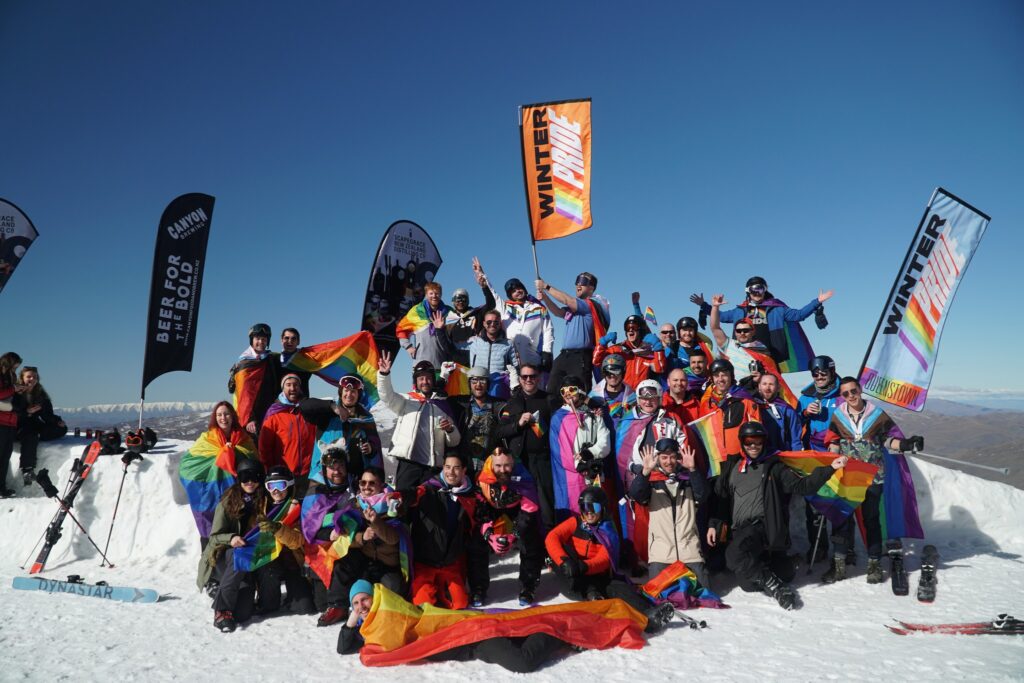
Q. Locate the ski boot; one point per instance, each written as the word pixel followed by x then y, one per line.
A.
pixel 478 599
pixel 527 596
pixel 331 616
pixel 28 475
pixel 658 617
pixel 837 572
pixel 897 572
pixel 783 593
pixel 874 570
pixel 224 621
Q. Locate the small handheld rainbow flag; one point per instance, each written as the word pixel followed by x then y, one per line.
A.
pixel 650 318
pixel 843 492
pixel 709 429
pixel 330 361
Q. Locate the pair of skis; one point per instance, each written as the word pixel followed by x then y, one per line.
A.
pixel 1004 624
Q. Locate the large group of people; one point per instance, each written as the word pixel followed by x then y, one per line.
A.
pixel 586 462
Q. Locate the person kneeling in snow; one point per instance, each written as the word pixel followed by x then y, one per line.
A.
pixel 585 548
pixel 751 489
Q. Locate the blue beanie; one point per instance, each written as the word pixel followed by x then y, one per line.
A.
pixel 360 586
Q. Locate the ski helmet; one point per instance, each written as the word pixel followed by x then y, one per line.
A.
pixel 755 281
pixel 460 293
pixel 667 445
pixel 280 473
pixel 424 367
pixel 649 388
pixel 686 322
pixel 593 499
pixel 249 469
pixel 512 284
pixel 722 365
pixel 613 364
pixel 822 363
pixel 752 430
pixel 259 330
pixel 634 319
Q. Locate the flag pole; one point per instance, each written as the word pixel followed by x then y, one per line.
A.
pixel 526 191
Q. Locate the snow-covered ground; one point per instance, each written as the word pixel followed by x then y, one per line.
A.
pixel 977 525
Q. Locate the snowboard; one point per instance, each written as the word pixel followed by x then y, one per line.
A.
pixel 927 582
pixel 89 590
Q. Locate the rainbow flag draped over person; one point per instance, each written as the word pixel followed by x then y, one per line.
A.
pixel 248 380
pixel 843 492
pixel 208 469
pixel 710 431
pixel 323 508
pixel 262 547
pixel 457 382
pixel 397 632
pixel 352 356
pixel 678 584
pixel 898 511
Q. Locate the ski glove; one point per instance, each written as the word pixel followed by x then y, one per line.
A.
pixel 819 318
pixel 608 339
pixel 546 361
pixel 912 443
pixel 572 567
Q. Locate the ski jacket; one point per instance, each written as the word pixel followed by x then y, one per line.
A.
pixel 442 520
pixel 788 344
pixel 360 427
pixel 495 356
pixel 778 479
pixel 528 327
pixel 287 439
pixel 817 425
pixel 8 418
pixel 409 441
pixel 783 424
pixel 530 441
pixel 672 532
pixel 570 537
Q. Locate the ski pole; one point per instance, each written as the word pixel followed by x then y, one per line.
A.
pixel 127 458
pixel 817 538
pixel 74 470
pixel 74 519
pixel 1000 470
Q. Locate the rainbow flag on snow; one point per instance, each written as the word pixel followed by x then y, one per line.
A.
pixel 351 356
pixel 397 632
pixel 840 495
pixel 710 430
pixel 262 547
pixel 678 584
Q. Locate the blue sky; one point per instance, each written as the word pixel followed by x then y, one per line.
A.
pixel 798 141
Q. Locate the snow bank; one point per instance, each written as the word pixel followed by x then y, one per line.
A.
pixel 977 525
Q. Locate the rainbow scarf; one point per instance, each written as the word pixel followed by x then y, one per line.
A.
pixel 262 547
pixel 208 469
pixel 331 361
pixel 248 380
pixel 397 632
pixel 710 430
pixel 417 319
pixel 678 584
pixel 843 492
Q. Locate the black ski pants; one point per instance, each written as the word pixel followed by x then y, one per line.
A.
pixel 519 655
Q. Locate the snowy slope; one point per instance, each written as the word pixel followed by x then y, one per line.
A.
pixel 977 525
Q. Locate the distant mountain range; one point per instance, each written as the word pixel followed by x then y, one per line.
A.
pixel 109 414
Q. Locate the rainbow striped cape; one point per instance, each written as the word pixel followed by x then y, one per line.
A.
pixel 352 356
pixel 208 469
pixel 899 515
pixel 248 380
pixel 843 492
pixel 397 632
pixel 262 547
pixel 798 348
pixel 323 508
pixel 417 319
pixel 678 584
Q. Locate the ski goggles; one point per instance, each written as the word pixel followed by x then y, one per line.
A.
pixel 279 484
pixel 585 280
pixel 592 507
pixel 351 382
pixel 756 289
pixel 248 478
pixel 820 373
pixel 648 392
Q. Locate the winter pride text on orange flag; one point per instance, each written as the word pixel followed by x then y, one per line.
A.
pixel 556 166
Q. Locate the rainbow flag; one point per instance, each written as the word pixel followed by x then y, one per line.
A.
pixel 417 319
pixel 208 469
pixel 650 318
pixel 843 492
pixel 261 548
pixel 351 356
pixel 899 515
pixel 248 380
pixel 321 555
pixel 457 383
pixel 397 632
pixel 711 432
pixel 678 584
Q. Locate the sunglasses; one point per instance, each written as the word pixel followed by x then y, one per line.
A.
pixel 744 330
pixel 753 442
pixel 594 508
pixel 820 373
pixel 492 322
pixel 570 391
pixel 672 332
pixel 530 377
pixel 363 483
pixel 246 478
pixel 279 485
pixel 851 392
